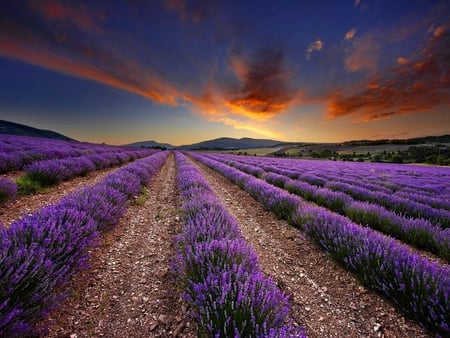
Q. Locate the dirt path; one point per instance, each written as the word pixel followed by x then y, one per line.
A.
pixel 30 203
pixel 129 292
pixel 325 298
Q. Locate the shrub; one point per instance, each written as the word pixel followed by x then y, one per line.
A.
pixel 38 253
pixel 8 190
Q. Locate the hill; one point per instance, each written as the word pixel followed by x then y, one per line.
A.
pixel 11 128
pixel 228 143
pixel 151 144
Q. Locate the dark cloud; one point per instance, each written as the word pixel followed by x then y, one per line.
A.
pixel 194 10
pixel 262 85
pixel 381 116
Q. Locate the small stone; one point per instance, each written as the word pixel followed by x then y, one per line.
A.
pixel 145 299
pixel 177 330
pixel 307 308
pixel 377 327
pixel 164 319
pixel 153 325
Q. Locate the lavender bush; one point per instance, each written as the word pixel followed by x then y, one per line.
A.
pixel 104 204
pixel 48 172
pixel 8 190
pixel 125 182
pixel 39 253
pixel 9 162
pixel 219 271
pixel 418 287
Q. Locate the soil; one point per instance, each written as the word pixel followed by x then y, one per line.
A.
pixel 129 292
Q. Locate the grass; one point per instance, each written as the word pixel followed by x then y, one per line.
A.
pixel 27 185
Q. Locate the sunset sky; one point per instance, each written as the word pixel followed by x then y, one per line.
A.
pixel 182 71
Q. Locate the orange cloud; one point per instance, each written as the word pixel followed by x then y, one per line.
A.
pixel 314 46
pixel 350 34
pixel 402 60
pixel 213 107
pixel 148 86
pixel 259 91
pixel 441 30
pixel 262 87
pixel 250 126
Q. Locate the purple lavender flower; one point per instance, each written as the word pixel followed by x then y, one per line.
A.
pixel 219 271
pixel 38 254
pixel 104 204
pixel 47 172
pixel 8 190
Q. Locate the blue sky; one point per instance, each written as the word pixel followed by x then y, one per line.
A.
pixel 183 71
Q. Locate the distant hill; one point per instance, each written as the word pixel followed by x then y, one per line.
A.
pixel 151 144
pixel 11 128
pixel 408 141
pixel 227 143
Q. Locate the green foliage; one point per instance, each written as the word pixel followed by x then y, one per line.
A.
pixel 28 185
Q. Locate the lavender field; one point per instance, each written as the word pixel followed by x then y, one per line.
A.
pixel 387 225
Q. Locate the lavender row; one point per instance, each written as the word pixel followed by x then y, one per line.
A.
pixel 422 186
pixel 418 232
pixel 431 181
pixel 50 172
pixel 219 271
pixel 40 252
pixel 414 186
pixel 400 205
pixel 420 288
pixel 17 152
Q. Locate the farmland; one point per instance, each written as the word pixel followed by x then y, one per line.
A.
pixel 100 240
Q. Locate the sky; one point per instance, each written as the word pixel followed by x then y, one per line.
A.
pixel 180 71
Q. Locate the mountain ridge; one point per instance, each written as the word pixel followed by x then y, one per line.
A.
pixel 221 143
pixel 12 128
